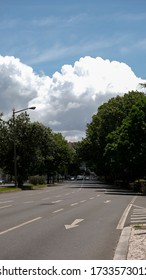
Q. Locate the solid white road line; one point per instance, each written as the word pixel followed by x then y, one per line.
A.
pixel 21 225
pixel 125 214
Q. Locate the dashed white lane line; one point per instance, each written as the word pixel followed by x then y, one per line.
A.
pixel 91 198
pixel 59 210
pixel 74 204
pixel 82 201
pixel 6 206
pixel 46 198
pixel 27 202
pixel 67 193
pixel 57 201
pixel 20 225
pixel 8 201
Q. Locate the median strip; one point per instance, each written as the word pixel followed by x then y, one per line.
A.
pixel 21 225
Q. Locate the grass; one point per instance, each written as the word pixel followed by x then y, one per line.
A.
pixel 25 187
pixel 140 226
pixel 8 189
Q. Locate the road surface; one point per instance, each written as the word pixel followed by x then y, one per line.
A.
pixel 72 221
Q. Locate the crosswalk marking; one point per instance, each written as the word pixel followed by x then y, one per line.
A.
pixel 138 215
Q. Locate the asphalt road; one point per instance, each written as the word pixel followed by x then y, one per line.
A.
pixel 71 221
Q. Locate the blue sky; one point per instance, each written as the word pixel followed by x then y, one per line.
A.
pixel 47 34
pixel 69 57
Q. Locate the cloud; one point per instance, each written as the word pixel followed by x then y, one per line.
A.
pixel 66 101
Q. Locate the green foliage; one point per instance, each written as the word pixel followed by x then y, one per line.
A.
pixel 116 138
pixel 37 180
pixel 127 144
pixel 38 149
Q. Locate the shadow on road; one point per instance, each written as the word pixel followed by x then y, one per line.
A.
pixel 102 187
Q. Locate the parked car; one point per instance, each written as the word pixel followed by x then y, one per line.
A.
pixel 80 177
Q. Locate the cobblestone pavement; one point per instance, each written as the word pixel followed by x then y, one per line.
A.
pixel 137 243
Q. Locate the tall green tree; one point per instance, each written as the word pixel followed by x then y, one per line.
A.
pixel 38 149
pixel 63 154
pixel 108 119
pixel 125 152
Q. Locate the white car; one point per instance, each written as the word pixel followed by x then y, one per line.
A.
pixel 80 177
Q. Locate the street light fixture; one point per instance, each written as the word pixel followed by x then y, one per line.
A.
pixel 15 155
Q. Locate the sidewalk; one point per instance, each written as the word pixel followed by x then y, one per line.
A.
pixel 132 243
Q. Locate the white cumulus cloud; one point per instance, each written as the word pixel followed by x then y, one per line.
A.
pixel 67 100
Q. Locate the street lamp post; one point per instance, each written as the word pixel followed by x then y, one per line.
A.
pixel 15 153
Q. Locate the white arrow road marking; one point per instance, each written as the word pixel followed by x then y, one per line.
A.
pixel 107 201
pixel 74 224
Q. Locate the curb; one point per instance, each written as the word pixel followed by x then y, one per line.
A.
pixel 123 244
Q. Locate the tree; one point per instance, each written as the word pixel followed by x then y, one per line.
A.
pixel 63 154
pixel 76 160
pixel 125 153
pixel 12 133
pixel 107 120
pixel 38 149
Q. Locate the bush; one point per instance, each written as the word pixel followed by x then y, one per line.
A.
pixel 140 186
pixel 37 180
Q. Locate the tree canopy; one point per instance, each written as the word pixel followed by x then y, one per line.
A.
pixel 38 149
pixel 115 142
